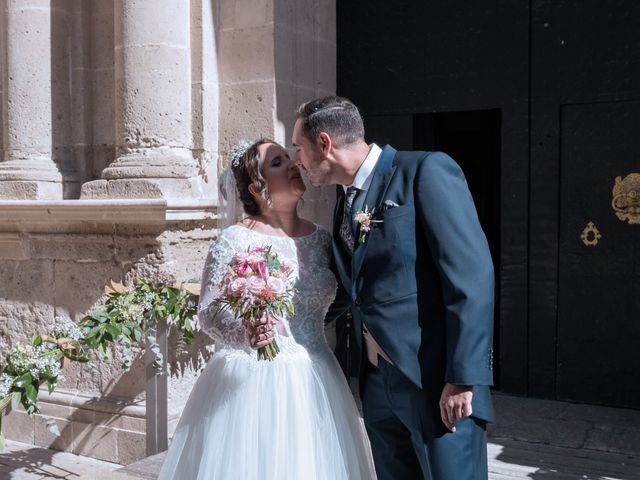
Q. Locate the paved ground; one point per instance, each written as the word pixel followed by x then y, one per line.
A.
pixel 534 439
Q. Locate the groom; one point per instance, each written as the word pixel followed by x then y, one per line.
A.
pixel 418 278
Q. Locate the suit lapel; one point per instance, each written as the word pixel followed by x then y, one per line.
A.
pixel 375 195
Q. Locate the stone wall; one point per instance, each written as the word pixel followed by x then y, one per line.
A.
pixel 111 144
pixel 50 272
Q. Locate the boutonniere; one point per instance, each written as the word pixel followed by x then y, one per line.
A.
pixel 365 218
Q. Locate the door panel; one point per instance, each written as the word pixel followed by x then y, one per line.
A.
pixel 598 329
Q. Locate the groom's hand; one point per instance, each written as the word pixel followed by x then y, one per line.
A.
pixel 261 334
pixel 455 404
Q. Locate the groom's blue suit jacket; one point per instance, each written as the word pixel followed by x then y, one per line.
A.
pixel 423 280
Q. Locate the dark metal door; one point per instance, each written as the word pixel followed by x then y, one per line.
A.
pixel 598 329
pixel 565 77
pixel 584 310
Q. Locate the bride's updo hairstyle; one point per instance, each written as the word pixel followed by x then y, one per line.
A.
pixel 245 164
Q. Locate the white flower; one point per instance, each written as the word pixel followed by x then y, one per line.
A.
pixel 65 328
pixel 6 381
pixel 19 358
pixel 37 361
pixel 147 301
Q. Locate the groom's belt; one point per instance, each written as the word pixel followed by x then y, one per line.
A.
pixel 373 349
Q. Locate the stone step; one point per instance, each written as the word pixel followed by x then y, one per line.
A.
pixel 508 460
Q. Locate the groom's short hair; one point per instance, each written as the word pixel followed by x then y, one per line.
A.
pixel 337 116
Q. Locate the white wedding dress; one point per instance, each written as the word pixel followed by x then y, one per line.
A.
pixel 293 418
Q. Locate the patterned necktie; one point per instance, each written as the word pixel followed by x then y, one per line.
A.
pixel 346 229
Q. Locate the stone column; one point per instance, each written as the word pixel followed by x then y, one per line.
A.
pixel 63 68
pixel 205 92
pixel 102 123
pixel 153 104
pixel 2 70
pixel 27 170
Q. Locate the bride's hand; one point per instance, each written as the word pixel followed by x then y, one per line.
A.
pixel 261 334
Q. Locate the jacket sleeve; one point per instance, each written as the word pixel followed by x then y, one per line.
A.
pixel 461 254
pixel 220 325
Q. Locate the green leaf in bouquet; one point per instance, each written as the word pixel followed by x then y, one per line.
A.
pixel 272 263
pixel 104 350
pixel 289 307
pixel 31 392
pixel 169 292
pixel 91 338
pixel 36 341
pixel 31 396
pixel 76 357
pixel 23 380
pixel 155 348
pixel 137 334
pixel 114 331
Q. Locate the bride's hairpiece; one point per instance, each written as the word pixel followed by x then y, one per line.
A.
pixel 238 150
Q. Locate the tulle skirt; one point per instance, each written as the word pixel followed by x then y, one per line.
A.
pixel 290 419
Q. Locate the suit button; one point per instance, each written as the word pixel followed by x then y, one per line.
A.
pixel 358 300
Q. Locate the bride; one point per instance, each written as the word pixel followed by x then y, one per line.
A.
pixel 291 418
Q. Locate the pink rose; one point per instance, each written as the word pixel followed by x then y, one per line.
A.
pixel 243 269
pixel 364 219
pixel 256 285
pixel 237 287
pixel 261 269
pixel 276 285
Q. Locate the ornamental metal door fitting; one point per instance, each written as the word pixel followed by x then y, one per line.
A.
pixel 590 235
pixel 626 198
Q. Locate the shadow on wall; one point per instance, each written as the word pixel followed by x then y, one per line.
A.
pixel 82 81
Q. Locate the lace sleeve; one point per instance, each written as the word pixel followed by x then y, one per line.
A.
pixel 219 325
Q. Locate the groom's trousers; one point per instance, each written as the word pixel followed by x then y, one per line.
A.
pixel 406 439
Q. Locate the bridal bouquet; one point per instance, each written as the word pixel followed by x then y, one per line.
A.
pixel 256 285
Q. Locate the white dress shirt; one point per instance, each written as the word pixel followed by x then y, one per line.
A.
pixel 364 175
